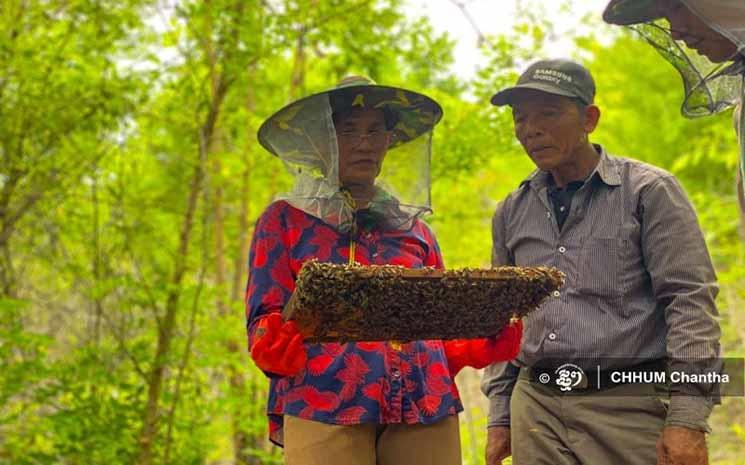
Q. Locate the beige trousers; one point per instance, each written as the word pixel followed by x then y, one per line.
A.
pixel 313 443
pixel 618 426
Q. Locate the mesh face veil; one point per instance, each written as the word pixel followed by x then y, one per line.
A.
pixel 303 136
pixel 709 87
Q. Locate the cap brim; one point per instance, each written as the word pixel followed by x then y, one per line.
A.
pixel 509 95
pixel 628 12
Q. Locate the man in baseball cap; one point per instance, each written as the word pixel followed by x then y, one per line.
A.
pixel 631 301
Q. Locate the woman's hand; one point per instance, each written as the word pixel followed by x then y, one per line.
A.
pixel 278 347
pixel 479 353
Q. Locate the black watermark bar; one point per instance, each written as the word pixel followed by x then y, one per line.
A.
pixel 633 376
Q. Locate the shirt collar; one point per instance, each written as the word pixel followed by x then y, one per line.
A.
pixel 606 170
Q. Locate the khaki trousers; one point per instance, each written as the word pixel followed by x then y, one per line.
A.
pixel 618 426
pixel 313 443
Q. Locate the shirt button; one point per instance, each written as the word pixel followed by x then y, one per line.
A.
pixel 556 294
pixel 552 336
pixel 561 209
pixel 562 249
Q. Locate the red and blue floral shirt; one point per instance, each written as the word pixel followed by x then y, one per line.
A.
pixel 350 383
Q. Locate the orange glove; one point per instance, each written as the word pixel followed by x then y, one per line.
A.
pixel 278 347
pixel 478 353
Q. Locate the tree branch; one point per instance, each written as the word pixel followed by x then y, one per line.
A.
pixel 482 38
pixel 121 344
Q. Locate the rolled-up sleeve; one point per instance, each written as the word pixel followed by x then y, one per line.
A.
pixel 497 385
pixel 684 285
pixel 499 378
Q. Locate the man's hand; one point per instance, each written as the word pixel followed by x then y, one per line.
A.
pixel 681 446
pixel 497 445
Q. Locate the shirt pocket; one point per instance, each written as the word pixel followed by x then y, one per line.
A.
pixel 598 271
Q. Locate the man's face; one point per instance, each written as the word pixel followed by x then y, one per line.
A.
pixel 550 127
pixel 697 35
pixel 363 140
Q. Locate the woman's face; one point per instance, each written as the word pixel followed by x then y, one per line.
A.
pixel 363 140
pixel 697 35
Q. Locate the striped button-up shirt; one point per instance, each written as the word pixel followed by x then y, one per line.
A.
pixel 639 280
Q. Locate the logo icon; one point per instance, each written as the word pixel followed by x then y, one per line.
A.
pixel 570 376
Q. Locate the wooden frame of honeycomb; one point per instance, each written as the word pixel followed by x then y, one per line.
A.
pixel 371 303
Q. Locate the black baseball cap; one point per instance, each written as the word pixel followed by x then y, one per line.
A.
pixel 559 77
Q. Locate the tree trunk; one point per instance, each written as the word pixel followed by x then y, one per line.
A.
pixel 166 326
pixel 96 261
pixel 7 275
pixel 297 81
pixel 243 441
pixel 244 232
pixel 219 226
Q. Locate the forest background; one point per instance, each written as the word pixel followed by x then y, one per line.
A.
pixel 131 179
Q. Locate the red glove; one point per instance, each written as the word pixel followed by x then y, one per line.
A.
pixel 478 353
pixel 278 347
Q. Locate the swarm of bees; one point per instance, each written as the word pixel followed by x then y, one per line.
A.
pixel 372 303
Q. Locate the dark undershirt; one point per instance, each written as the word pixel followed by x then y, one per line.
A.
pixel 561 199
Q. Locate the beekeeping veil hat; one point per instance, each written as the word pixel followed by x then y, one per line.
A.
pixel 302 134
pixel 709 87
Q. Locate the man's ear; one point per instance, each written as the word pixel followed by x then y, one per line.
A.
pixel 390 139
pixel 592 117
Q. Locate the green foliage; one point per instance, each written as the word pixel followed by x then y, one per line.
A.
pixel 131 179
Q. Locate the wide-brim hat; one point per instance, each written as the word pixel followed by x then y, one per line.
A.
pixel 627 12
pixel 413 114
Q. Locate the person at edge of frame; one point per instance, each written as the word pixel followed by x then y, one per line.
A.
pixel 639 294
pixel 705 41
